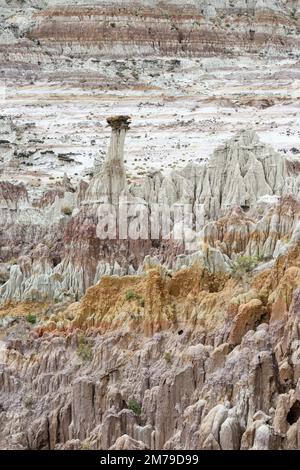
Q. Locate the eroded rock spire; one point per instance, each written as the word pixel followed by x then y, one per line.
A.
pixel 110 183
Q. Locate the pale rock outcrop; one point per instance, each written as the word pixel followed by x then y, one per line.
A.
pixel 239 173
pixel 110 184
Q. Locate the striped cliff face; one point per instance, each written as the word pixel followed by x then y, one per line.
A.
pixel 166 28
pixel 122 29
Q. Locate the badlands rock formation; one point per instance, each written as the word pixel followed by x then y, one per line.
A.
pixel 189 351
pixel 244 180
pixel 180 331
pixel 216 67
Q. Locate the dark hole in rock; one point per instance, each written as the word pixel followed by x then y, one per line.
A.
pixel 155 243
pixel 56 261
pixel 294 413
pixel 252 34
pixel 180 332
pixel 265 318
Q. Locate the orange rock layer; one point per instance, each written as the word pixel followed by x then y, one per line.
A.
pixel 191 297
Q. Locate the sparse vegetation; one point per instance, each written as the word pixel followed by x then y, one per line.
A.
pixel 135 406
pixel 31 318
pixel 66 210
pixel 244 265
pixel 84 446
pixel 84 350
pixel 168 357
pixel 28 401
pixel 132 295
pixel 260 210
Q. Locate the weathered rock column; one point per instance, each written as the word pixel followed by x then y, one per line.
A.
pixel 114 168
pixel 108 185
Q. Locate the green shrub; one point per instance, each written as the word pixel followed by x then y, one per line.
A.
pixel 135 406
pixel 66 210
pixel 168 357
pixel 244 265
pixel 28 401
pixel 31 318
pixel 84 350
pixel 130 294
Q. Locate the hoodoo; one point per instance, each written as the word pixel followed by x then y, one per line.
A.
pixel 110 183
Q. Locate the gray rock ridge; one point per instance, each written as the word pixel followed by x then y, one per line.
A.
pixel 239 173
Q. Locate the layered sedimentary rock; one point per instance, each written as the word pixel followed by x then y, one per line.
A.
pixel 172 28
